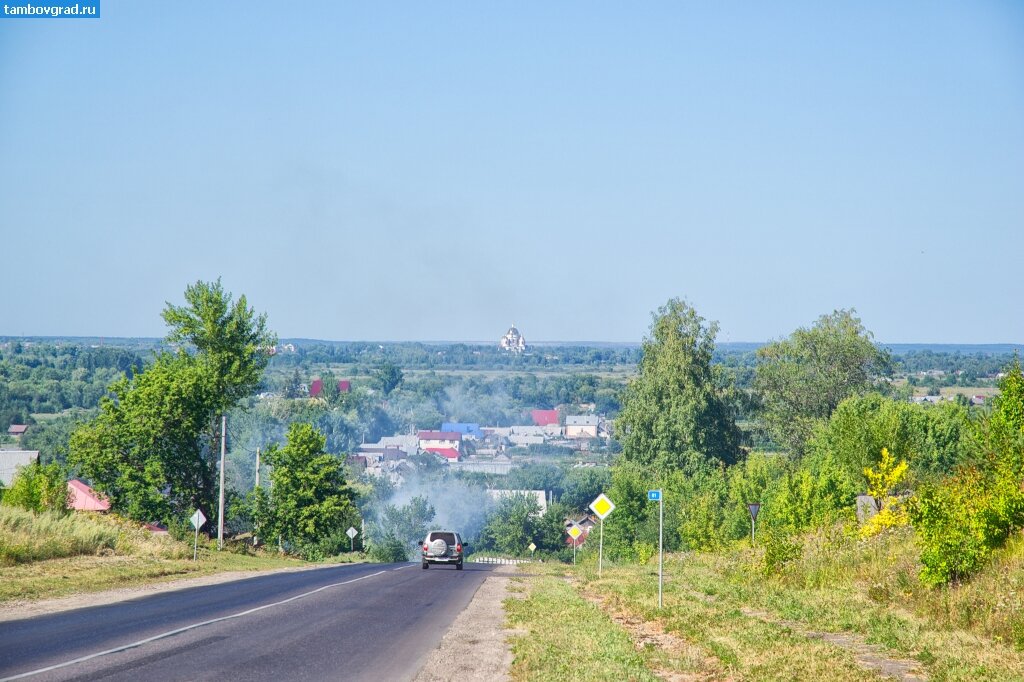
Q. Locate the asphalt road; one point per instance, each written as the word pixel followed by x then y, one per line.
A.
pixel 355 622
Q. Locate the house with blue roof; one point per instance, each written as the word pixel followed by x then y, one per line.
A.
pixel 470 431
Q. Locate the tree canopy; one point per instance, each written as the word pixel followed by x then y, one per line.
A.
pixel 803 379
pixel 675 413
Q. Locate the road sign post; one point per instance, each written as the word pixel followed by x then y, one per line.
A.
pixel 574 532
pixel 197 519
pixel 656 496
pixel 602 506
pixel 753 508
pixel 351 533
pixel 533 548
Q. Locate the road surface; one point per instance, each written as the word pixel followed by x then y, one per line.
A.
pixel 354 622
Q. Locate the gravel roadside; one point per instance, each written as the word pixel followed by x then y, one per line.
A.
pixel 475 648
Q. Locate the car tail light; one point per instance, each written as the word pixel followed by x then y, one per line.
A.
pixel 458 548
pixel 426 547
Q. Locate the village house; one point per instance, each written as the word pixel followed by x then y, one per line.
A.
pixel 10 460
pixel 440 439
pixel 582 426
pixel 81 497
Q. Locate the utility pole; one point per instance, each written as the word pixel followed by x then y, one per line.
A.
pixel 255 537
pixel 220 502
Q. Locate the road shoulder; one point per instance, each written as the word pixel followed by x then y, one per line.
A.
pixel 475 648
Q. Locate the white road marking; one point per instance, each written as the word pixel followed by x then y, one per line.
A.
pixel 184 629
pixel 393 569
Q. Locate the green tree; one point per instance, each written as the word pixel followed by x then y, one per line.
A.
pixel 228 335
pixel 803 379
pixel 153 447
pixel 39 488
pixel 675 413
pixel 515 522
pixel 387 377
pixel 146 449
pixel 309 498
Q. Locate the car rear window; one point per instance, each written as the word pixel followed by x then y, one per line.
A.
pixel 449 538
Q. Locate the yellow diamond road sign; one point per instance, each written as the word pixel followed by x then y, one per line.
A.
pixel 533 547
pixel 575 532
pixel 602 506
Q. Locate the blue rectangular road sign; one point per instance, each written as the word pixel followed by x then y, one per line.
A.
pixel 654 495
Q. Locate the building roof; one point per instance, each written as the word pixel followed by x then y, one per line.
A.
pixel 17 429
pixel 10 460
pixel 544 417
pixel 439 435
pixel 84 498
pixel 447 453
pixel 345 386
pixel 583 420
pixel 316 388
pixel 464 428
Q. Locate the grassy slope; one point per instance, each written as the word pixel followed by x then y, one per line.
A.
pixel 50 556
pixel 755 627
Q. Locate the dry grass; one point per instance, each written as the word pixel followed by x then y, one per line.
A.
pixel 48 555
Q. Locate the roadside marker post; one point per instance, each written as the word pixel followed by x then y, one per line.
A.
pixel 574 532
pixel 602 506
pixel 533 548
pixel 197 519
pixel 351 533
pixel 753 508
pixel 656 496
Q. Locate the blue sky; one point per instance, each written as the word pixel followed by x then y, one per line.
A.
pixel 438 171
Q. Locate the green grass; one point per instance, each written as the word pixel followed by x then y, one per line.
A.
pixel 567 638
pixel 26 537
pixel 746 625
pixel 48 555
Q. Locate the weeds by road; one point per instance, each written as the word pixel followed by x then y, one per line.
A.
pixel 845 610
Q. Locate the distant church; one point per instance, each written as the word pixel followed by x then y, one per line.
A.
pixel 513 341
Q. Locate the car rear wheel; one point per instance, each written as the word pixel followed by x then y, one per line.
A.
pixel 425 565
pixel 458 566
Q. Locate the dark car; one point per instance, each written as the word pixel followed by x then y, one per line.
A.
pixel 443 547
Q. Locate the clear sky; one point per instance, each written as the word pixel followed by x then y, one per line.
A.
pixel 437 171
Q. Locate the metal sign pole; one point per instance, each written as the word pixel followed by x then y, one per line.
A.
pixel 600 551
pixel 195 545
pixel 661 545
pixel 574 551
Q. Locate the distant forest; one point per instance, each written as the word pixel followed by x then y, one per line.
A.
pixel 55 383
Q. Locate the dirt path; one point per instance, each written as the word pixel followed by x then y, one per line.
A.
pixel 16 609
pixel 475 648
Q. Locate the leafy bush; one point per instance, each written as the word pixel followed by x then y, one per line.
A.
pixel 779 550
pixel 39 488
pixel 882 485
pixel 960 522
pixel 26 536
pixel 388 550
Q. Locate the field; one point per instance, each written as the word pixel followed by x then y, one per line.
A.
pixel 846 610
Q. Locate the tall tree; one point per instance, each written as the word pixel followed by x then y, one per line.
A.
pixel 226 334
pixel 309 497
pixel 153 448
pixel 148 449
pixel 675 413
pixel 387 377
pixel 803 379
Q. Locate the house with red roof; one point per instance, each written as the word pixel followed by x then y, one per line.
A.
pixel 17 429
pixel 544 417
pixel 317 387
pixel 83 498
pixel 448 454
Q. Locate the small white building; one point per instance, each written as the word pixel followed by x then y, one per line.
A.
pixel 582 426
pixel 431 440
pixel 10 460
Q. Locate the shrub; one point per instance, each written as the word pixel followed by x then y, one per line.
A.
pixel 779 550
pixel 388 550
pixel 960 522
pixel 39 488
